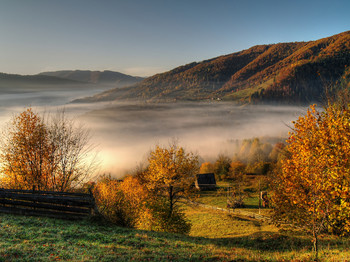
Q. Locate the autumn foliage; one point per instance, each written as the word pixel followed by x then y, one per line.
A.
pixel 121 202
pixel 45 154
pixel 171 173
pixel 312 190
pixel 25 153
pixel 150 199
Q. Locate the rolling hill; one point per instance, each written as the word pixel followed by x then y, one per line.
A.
pixel 298 72
pixel 13 83
pixel 35 79
pixel 96 77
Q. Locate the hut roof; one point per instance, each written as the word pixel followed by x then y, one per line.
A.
pixel 206 179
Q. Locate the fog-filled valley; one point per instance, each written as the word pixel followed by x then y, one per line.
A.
pixel 124 132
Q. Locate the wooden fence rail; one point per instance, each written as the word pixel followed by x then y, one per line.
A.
pixel 47 203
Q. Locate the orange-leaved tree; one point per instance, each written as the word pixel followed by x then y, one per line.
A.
pixel 122 202
pixel 48 154
pixel 25 152
pixel 206 167
pixel 312 190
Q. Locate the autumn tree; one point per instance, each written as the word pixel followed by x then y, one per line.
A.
pixel 238 180
pixel 170 176
pixel 237 169
pixel 276 152
pixel 171 172
pixel 48 154
pixel 312 191
pixel 123 202
pixel 25 152
pixel 222 167
pixel 256 153
pixel 206 167
pixel 72 159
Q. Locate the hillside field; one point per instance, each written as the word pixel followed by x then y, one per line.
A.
pixel 215 236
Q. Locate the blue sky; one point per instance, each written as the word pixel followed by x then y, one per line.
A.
pixel 143 37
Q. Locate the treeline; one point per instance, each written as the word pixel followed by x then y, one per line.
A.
pixel 253 157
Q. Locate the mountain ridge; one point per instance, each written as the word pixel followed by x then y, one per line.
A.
pixel 296 72
pixel 95 77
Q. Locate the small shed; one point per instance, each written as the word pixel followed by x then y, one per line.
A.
pixel 205 181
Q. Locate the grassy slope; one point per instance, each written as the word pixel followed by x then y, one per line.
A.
pixel 215 236
pixel 43 239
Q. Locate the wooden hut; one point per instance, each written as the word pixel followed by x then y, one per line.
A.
pixel 205 181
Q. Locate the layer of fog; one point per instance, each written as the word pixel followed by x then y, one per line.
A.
pixel 125 132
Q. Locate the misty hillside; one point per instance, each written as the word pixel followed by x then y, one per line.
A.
pixel 96 77
pixel 296 72
pixel 34 79
pixel 13 83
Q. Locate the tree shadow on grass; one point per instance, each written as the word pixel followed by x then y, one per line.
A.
pixel 265 241
pixel 109 242
pixel 275 242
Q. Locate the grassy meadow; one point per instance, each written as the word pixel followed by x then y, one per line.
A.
pixel 215 236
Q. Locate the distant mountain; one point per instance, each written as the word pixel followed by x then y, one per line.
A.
pixel 96 77
pixel 34 79
pixel 298 72
pixel 13 83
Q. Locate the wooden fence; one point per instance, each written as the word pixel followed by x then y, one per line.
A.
pixel 46 203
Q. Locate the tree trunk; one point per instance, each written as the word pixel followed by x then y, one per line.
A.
pixel 171 201
pixel 315 240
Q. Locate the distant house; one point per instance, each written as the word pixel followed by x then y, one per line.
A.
pixel 205 181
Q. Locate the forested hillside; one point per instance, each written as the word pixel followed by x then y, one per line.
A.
pixel 298 72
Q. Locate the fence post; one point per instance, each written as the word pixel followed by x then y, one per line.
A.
pixel 93 209
pixel 34 200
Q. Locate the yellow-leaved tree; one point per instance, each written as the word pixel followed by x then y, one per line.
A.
pixel 169 177
pixel 312 191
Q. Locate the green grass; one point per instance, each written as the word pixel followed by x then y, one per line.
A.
pixel 219 197
pixel 44 239
pixel 243 95
pixel 214 236
pixel 245 239
pixel 212 198
pixel 222 225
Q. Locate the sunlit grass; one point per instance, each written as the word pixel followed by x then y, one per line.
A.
pixel 44 239
pixel 215 224
pixel 215 236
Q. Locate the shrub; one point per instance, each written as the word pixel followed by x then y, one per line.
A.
pixel 162 221
pixel 110 201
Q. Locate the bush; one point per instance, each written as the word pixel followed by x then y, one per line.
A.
pixel 162 221
pixel 110 202
pixel 128 203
